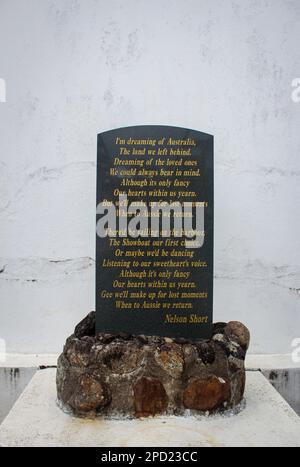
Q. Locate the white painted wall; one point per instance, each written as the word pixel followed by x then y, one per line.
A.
pixel 74 68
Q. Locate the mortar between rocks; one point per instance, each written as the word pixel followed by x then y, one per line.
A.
pixel 141 376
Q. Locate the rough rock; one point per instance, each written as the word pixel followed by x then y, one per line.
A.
pixel 150 397
pixel 230 347
pixel 206 394
pixel 90 394
pixel 206 352
pixel 87 326
pixel 219 328
pixel 237 332
pixel 138 376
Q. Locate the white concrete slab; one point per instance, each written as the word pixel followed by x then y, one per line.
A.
pixel 35 420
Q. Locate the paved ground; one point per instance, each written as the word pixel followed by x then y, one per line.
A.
pixel 36 420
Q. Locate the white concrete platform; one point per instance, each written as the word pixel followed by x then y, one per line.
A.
pixel 35 420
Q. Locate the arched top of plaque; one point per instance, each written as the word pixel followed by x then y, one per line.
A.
pixel 164 128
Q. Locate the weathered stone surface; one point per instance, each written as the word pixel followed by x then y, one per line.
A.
pixel 78 352
pixel 119 358
pixel 170 358
pixel 231 347
pixel 150 397
pixel 237 332
pixel 219 328
pixel 122 375
pixel 87 326
pixel 207 394
pixel 238 383
pixel 235 364
pixel 90 394
pixel 206 352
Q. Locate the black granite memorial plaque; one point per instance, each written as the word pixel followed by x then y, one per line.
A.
pixel 152 279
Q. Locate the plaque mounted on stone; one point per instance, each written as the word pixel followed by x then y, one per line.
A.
pixel 151 347
pixel 154 247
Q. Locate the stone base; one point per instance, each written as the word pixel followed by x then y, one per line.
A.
pixel 139 376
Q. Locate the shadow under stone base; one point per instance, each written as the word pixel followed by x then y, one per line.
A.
pixel 141 376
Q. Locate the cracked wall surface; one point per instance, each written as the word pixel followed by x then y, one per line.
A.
pixel 74 68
